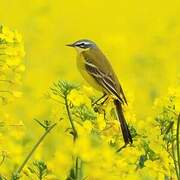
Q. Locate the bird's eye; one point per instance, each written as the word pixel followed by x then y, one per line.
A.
pixel 82 44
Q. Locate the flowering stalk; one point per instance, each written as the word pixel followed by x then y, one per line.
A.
pixel 11 61
pixel 78 169
pixel 178 142
pixel 174 156
pixel 3 158
pixel 75 134
pixel 34 148
pixel 62 90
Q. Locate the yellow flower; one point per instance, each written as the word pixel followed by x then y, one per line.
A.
pixel 13 61
pixel 8 35
pixel 17 94
pixel 155 166
pixel 62 163
pixel 89 91
pixel 11 64
pixel 101 122
pixel 20 68
pixel 77 98
pixel 17 36
pixel 84 149
pixel 132 153
pixel 88 126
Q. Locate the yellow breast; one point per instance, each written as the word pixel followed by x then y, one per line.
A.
pixel 85 74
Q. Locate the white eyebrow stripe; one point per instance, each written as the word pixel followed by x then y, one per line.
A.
pixel 85 42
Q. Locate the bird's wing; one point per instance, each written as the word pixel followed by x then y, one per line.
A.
pixel 103 79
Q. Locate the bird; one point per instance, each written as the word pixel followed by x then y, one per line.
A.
pixel 97 70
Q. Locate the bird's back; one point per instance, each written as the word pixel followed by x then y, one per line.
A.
pixel 96 57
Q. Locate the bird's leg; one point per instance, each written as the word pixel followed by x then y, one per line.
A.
pixel 96 102
pixel 104 100
pixel 99 107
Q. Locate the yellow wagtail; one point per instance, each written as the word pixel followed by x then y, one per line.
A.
pixel 98 72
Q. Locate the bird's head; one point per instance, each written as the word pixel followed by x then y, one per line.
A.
pixel 82 45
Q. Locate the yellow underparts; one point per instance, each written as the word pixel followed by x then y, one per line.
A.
pixel 86 75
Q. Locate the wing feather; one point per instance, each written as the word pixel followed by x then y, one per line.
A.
pixel 103 79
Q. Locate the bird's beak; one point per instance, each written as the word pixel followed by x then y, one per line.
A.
pixel 70 45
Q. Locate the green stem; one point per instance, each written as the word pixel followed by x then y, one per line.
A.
pixel 7 81
pixel 78 168
pixel 4 91
pixel 75 134
pixel 40 175
pixel 34 148
pixel 174 157
pixel 178 142
pixel 3 158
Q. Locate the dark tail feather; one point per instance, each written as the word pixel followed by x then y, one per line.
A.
pixel 124 127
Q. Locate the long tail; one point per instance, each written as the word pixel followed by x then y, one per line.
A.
pixel 124 127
